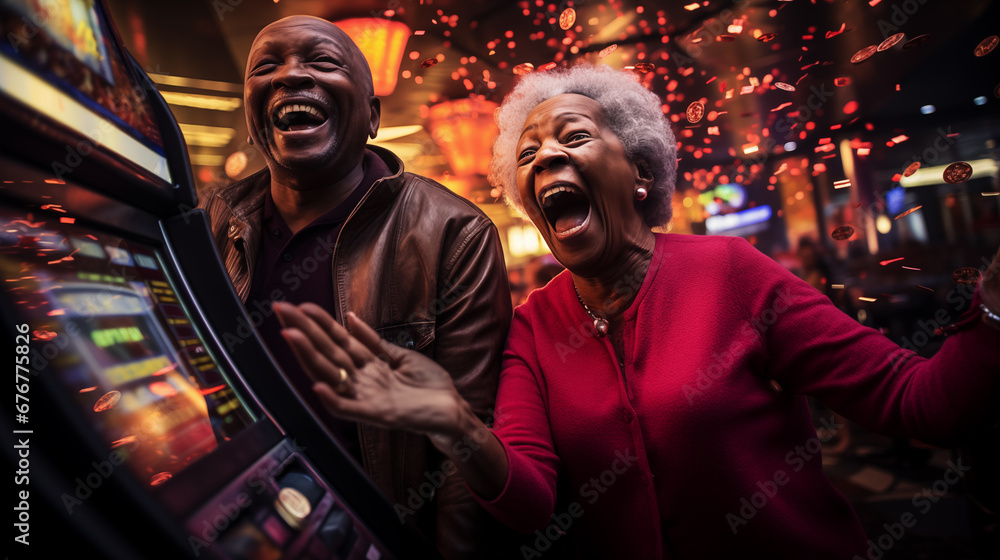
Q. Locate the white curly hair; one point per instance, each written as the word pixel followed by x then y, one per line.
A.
pixel 632 112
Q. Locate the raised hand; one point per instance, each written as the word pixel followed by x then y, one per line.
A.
pixel 366 379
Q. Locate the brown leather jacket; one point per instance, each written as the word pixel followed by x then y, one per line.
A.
pixel 425 268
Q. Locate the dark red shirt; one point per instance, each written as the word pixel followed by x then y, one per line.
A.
pixel 298 268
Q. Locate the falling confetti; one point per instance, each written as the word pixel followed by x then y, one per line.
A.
pixel 767 37
pixel 958 172
pixel 890 42
pixel 841 82
pixel 44 335
pixel 567 18
pixel 784 86
pixel 123 441
pixel 607 50
pixel 908 212
pixel 427 63
pixel 890 261
pixel 987 45
pixel 644 67
pixel 842 233
pixel 159 478
pixel 864 54
pixel 695 112
pixel 524 68
pixel 109 400
pixel 966 275
pixel 911 169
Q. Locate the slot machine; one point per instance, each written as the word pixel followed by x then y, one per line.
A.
pixel 136 427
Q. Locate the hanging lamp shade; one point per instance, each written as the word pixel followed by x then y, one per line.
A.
pixel 383 42
pixel 464 129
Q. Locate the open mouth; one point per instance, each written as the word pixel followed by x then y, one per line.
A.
pixel 297 116
pixel 565 208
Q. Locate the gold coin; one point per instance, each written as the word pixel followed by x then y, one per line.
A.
pixel 842 233
pixel 524 68
pixel 292 506
pixel 109 400
pixel 695 112
pixel 864 54
pixel 567 18
pixel 958 172
pixel 890 42
pixel 966 275
pixel 987 45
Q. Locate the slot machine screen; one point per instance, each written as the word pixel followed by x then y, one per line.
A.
pixel 106 321
pixel 59 60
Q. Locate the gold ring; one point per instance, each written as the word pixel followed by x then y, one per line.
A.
pixel 342 379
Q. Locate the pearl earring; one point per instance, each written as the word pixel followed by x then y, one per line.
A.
pixel 640 194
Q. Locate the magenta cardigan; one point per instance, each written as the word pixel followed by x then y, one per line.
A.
pixel 702 445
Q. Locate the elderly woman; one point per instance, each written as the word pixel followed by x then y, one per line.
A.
pixel 653 399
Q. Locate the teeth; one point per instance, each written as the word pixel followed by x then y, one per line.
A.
pixel 299 108
pixel 548 194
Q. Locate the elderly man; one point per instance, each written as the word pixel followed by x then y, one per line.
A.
pixel 338 223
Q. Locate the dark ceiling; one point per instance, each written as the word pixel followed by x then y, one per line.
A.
pixel 695 53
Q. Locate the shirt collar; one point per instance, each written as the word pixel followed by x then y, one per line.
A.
pixel 374 169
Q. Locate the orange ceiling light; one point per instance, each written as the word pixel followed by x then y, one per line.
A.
pixel 464 130
pixel 383 42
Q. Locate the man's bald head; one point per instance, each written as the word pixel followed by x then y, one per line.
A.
pixel 326 28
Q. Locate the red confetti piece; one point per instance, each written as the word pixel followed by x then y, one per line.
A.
pixel 883 263
pixel 109 400
pixel 830 34
pixel 211 390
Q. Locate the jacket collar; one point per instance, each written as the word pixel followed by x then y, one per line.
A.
pixel 245 197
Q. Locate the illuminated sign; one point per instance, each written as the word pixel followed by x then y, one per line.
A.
pixel 723 199
pixel 106 337
pixel 760 214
